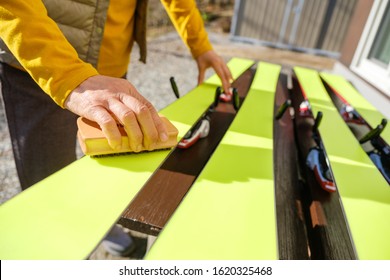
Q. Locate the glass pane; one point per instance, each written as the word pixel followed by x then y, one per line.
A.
pixel 380 51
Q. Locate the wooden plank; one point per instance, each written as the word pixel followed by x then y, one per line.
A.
pixel 229 213
pixel 364 193
pixel 66 215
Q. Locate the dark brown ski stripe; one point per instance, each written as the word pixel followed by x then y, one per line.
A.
pixel 291 226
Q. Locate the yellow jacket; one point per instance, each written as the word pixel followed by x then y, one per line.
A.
pixel 55 61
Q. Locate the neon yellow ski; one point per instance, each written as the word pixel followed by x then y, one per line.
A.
pixel 229 213
pixel 361 105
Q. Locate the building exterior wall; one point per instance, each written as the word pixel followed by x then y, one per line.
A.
pixel 355 31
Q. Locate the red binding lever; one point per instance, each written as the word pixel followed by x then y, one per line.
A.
pixel 200 130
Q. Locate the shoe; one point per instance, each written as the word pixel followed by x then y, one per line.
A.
pixel 118 242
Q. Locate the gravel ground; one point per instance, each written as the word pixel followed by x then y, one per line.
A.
pixel 9 183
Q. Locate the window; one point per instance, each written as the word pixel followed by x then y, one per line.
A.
pixel 380 50
pixel 372 57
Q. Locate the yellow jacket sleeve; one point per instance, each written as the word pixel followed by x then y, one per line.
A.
pixel 187 20
pixel 40 47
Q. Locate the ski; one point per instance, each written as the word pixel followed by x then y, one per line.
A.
pixel 229 212
pixel 367 124
pixel 325 222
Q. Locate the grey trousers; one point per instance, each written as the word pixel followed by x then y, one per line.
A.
pixel 43 134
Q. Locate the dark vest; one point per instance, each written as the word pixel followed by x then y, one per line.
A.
pixel 82 23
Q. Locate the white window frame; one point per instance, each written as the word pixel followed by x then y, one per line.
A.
pixel 361 65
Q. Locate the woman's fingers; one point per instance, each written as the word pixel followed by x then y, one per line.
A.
pixel 127 118
pixel 211 59
pixel 107 100
pixel 108 125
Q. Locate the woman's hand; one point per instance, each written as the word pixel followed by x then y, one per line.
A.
pixel 106 101
pixel 211 59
